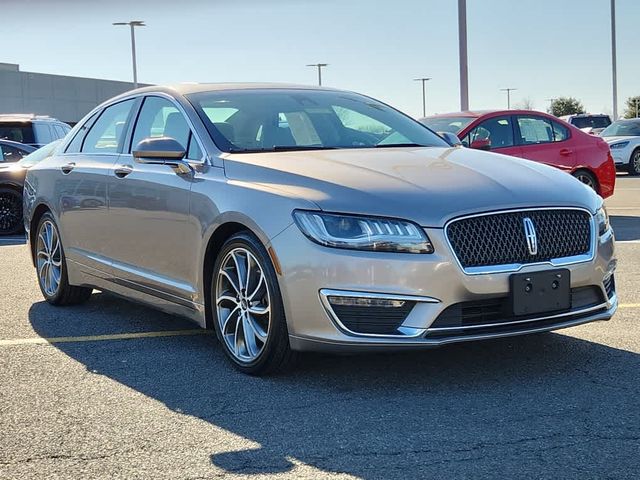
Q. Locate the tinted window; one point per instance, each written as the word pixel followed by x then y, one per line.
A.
pixel 263 120
pixel 60 133
pixel 534 130
pixel 17 132
pixel 12 154
pixel 497 130
pixel 593 122
pixel 43 133
pixel 106 133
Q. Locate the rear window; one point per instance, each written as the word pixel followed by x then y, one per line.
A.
pixel 17 131
pixel 591 122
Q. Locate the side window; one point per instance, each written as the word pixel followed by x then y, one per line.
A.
pixel 60 133
pixel 497 131
pixel 535 130
pixel 106 133
pixel 11 154
pixel 560 132
pixel 43 133
pixel 160 118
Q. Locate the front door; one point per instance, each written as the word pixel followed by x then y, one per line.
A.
pixel 149 209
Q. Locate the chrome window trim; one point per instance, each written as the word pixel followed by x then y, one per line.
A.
pixel 515 267
pixel 406 332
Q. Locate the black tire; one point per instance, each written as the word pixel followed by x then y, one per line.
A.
pixel 276 354
pixel 588 179
pixel 633 167
pixel 10 211
pixel 64 294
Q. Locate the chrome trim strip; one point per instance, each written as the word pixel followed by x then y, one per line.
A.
pixel 537 319
pixel 514 267
pixel 406 332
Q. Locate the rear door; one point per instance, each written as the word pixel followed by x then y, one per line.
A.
pixel 81 186
pixel 545 141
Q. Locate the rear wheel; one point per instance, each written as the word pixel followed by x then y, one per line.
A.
pixel 634 163
pixel 51 267
pixel 247 307
pixel 10 211
pixel 587 178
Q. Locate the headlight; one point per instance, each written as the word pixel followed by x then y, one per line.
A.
pixel 602 220
pixel 618 145
pixel 363 233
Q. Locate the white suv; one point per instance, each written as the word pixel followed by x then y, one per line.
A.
pixel 35 130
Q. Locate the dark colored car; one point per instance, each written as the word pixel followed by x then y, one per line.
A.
pixel 14 151
pixel 534 136
pixel 11 185
pixel 35 130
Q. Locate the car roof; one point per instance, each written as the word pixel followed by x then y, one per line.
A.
pixel 26 117
pixel 188 88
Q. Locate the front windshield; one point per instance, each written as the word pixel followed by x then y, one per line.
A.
pixel 39 155
pixel 622 128
pixel 447 124
pixel 280 119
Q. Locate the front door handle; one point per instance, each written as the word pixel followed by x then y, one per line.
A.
pixel 566 152
pixel 66 169
pixel 122 171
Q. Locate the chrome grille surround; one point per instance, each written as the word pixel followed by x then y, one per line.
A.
pixel 508 224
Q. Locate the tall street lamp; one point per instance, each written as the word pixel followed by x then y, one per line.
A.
pixel 319 66
pixel 424 93
pixel 614 60
pixel 508 90
pixel 462 47
pixel 133 24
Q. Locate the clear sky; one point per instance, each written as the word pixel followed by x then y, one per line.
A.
pixel 544 48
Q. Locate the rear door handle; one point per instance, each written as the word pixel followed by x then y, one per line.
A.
pixel 566 151
pixel 122 171
pixel 66 169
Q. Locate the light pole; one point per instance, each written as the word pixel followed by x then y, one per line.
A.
pixel 424 93
pixel 133 24
pixel 614 60
pixel 319 66
pixel 462 46
pixel 508 90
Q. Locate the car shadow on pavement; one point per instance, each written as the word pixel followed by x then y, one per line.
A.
pixel 548 405
pixel 10 240
pixel 626 228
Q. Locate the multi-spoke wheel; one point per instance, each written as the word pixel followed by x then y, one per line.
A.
pixel 249 317
pixel 10 211
pixel 587 178
pixel 634 163
pixel 51 268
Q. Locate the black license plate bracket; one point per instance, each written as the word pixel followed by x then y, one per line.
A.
pixel 540 292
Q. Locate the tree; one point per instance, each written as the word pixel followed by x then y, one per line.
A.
pixel 565 106
pixel 632 109
pixel 525 104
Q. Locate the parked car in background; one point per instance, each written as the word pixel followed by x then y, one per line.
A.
pixel 292 218
pixel 535 136
pixel 590 123
pixel 11 186
pixel 35 130
pixel 13 151
pixel 623 137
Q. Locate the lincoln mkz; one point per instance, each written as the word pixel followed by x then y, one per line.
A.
pixel 293 219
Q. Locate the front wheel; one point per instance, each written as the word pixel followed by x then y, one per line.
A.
pixel 10 211
pixel 51 266
pixel 634 163
pixel 248 313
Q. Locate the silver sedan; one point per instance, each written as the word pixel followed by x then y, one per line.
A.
pixel 291 219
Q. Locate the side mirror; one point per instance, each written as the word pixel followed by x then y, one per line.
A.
pixel 162 151
pixel 452 138
pixel 481 144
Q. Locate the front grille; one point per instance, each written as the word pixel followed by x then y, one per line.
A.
pixel 498 310
pixel 372 320
pixel 499 239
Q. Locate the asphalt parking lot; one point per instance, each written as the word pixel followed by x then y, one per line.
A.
pixel 115 390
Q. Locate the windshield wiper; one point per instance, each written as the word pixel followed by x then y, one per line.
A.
pixel 389 145
pixel 281 148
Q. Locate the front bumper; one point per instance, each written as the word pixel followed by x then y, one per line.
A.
pixel 433 282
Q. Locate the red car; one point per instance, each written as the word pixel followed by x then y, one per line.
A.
pixel 535 136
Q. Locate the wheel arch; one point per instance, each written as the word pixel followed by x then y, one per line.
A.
pixel 38 212
pixel 592 174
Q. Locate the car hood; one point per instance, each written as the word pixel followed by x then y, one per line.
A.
pixel 426 185
pixel 611 140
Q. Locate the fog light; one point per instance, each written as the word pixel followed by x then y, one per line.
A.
pixel 365 302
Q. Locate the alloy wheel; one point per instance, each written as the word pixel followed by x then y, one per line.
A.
pixel 49 258
pixel 586 179
pixel 243 305
pixel 10 212
pixel 635 162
